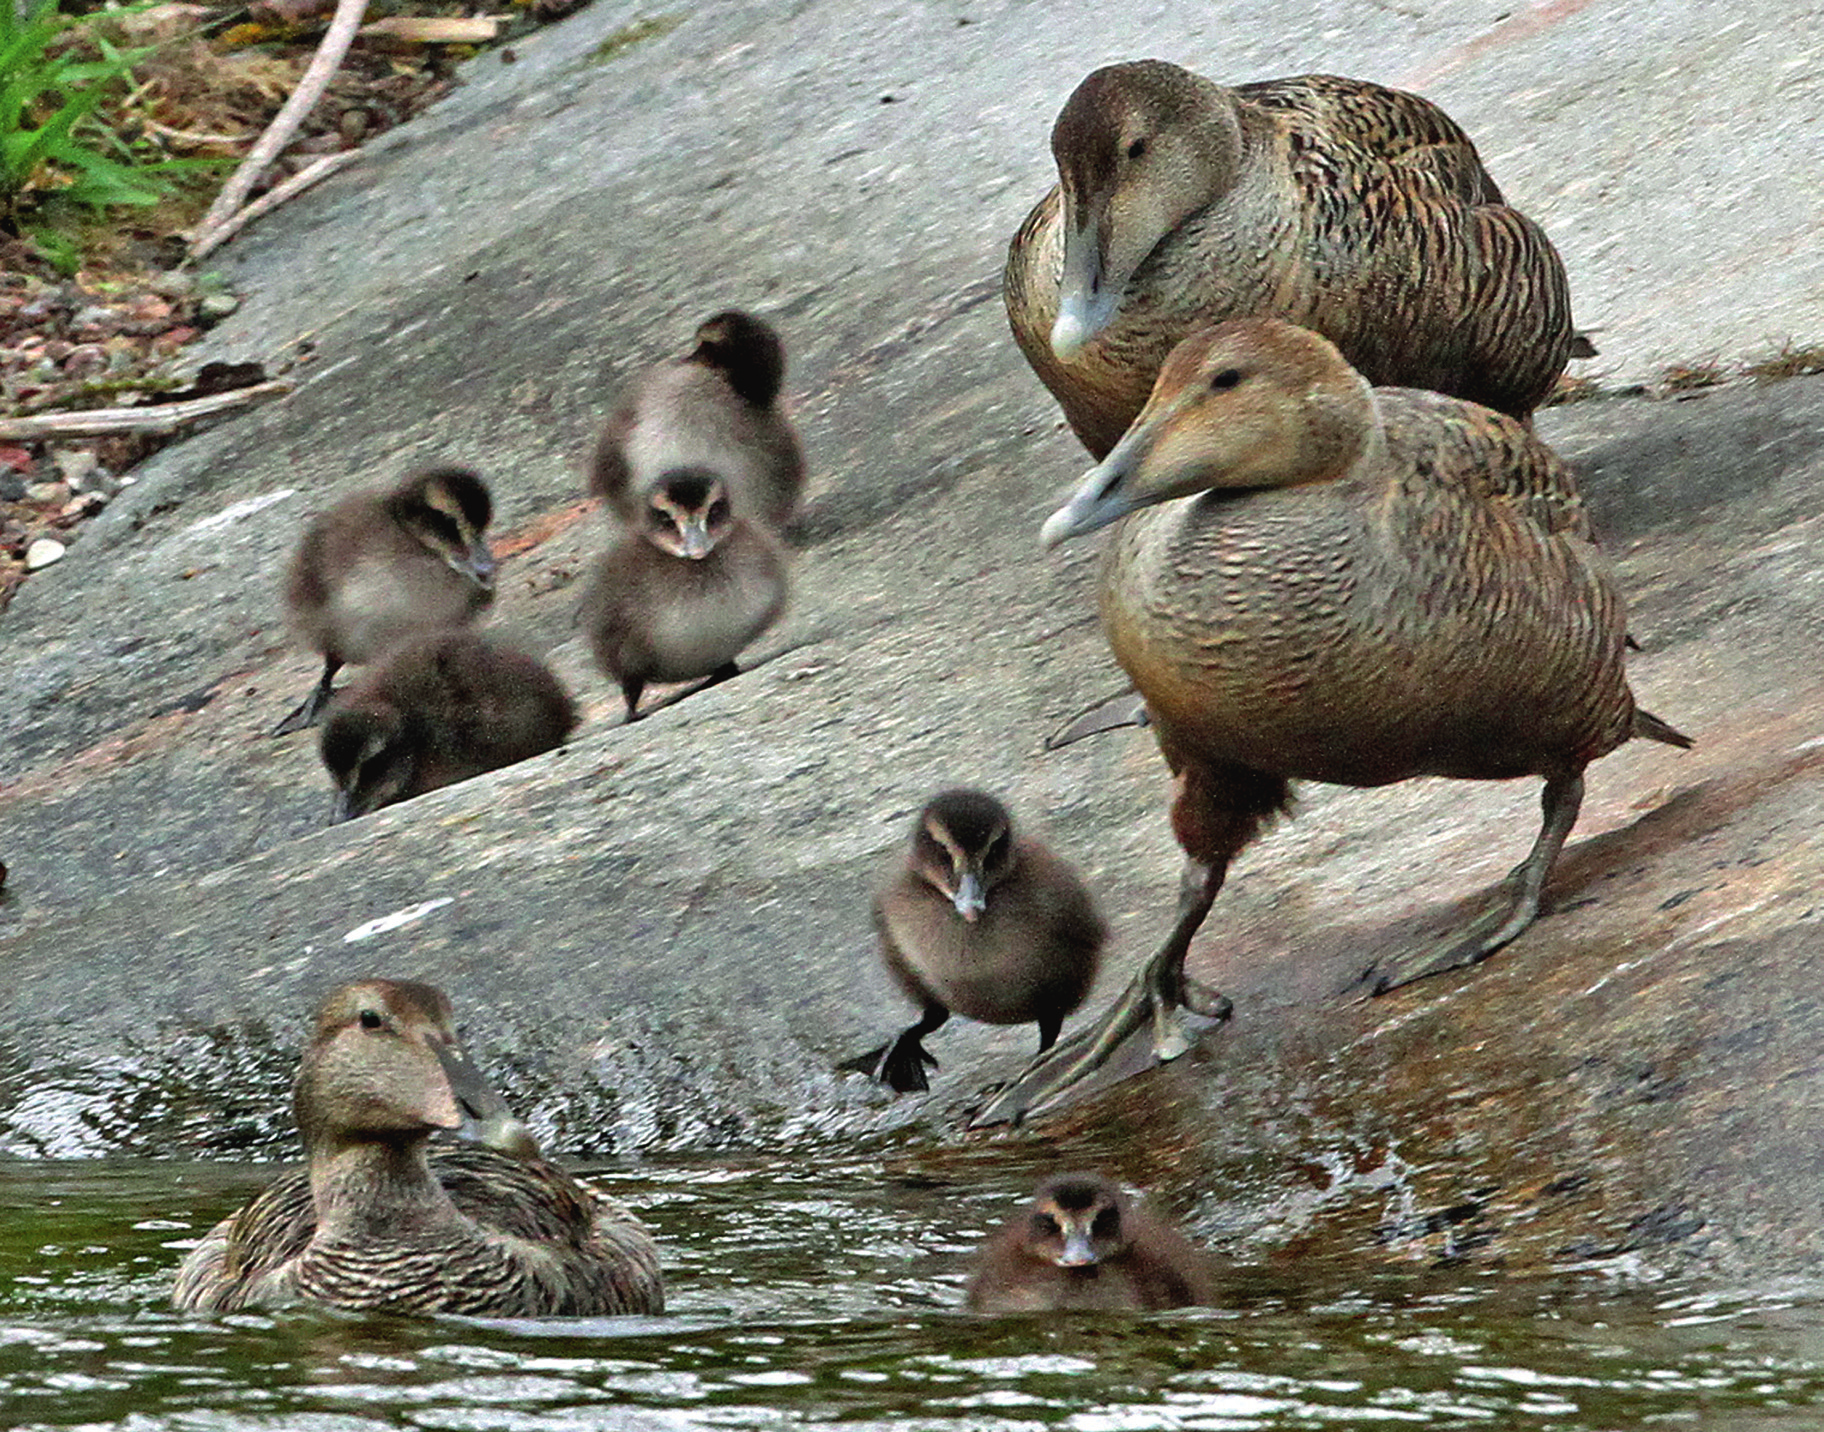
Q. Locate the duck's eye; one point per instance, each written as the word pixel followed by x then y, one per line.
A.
pixel 1137 148
pixel 1227 378
pixel 371 1020
pixel 1105 1224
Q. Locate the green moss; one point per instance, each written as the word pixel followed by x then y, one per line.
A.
pixel 647 27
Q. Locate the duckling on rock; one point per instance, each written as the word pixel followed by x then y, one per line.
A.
pixel 679 598
pixel 379 567
pixel 977 920
pixel 396 1228
pixel 1355 210
pixel 1319 580
pixel 1082 1244
pixel 716 408
pixel 436 711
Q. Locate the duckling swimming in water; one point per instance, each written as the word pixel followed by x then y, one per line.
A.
pixel 379 567
pixel 436 711
pixel 716 408
pixel 397 1228
pixel 1323 581
pixel 1081 1244
pixel 976 920
pixel 1361 212
pixel 680 597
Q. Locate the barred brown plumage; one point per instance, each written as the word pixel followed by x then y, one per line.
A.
pixel 378 1223
pixel 1357 586
pixel 1358 211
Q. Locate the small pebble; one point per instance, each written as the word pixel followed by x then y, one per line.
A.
pixel 12 487
pixel 76 466
pixel 42 553
pixel 94 316
pixel 218 305
pixel 52 493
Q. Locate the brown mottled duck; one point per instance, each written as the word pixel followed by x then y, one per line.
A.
pixel 436 711
pixel 1318 580
pixel 680 596
pixel 379 567
pixel 716 408
pixel 391 1226
pixel 980 921
pixel 1355 210
pixel 1082 1245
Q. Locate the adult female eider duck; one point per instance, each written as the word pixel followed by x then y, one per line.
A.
pixel 716 408
pixel 1082 1245
pixel 1324 581
pixel 380 567
pixel 1355 210
pixel 980 921
pixel 393 1227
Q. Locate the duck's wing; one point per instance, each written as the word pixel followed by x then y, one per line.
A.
pixel 266 1233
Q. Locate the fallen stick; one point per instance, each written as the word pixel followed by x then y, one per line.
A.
pixel 204 245
pixel 323 66
pixel 153 418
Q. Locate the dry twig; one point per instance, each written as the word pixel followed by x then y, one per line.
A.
pixel 154 418
pixel 204 245
pixel 323 66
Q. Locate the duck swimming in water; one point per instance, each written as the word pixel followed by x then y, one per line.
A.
pixel 976 920
pixel 396 1228
pixel 1319 580
pixel 379 567
pixel 716 408
pixel 1358 211
pixel 1081 1244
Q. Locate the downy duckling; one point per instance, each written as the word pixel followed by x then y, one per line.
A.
pixel 438 710
pixel 380 567
pixel 680 597
pixel 397 1228
pixel 1361 212
pixel 976 920
pixel 716 408
pixel 1081 1244
pixel 1323 581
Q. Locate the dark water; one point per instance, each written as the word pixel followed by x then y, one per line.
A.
pixel 823 1294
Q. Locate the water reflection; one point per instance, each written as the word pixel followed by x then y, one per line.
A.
pixel 824 1296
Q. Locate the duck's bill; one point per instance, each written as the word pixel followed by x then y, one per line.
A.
pixel 486 1119
pixel 1101 498
pixel 1086 301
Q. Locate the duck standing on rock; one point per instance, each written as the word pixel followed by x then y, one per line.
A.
pixel 379 567
pixel 976 920
pixel 716 408
pixel 1318 580
pixel 680 596
pixel 1358 211
pixel 394 1227
pixel 436 711
pixel 1081 1244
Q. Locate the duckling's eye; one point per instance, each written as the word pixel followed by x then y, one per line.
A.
pixel 1227 378
pixel 1045 1226
pixel 1105 1224
pixel 371 1020
pixel 1137 148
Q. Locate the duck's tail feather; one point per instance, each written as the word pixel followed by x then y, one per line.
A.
pixel 1650 726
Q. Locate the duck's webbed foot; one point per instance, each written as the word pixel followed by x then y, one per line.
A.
pixel 310 710
pixel 901 1063
pixel 1524 888
pixel 1162 1004
pixel 1128 708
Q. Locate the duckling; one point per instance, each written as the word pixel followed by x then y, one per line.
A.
pixel 1355 210
pixel 680 597
pixel 438 710
pixel 975 919
pixel 1081 1244
pixel 379 567
pixel 1324 581
pixel 715 408
pixel 395 1228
